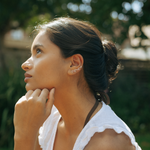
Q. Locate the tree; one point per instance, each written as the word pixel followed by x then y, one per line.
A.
pixel 115 17
pixel 18 13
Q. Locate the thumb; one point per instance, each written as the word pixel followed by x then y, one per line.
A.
pixel 50 101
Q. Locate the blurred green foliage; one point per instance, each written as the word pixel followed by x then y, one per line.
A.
pixel 28 13
pixel 11 89
pixel 19 13
pixel 144 141
pixel 130 100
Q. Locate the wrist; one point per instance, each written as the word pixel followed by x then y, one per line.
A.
pixel 25 142
pixel 25 136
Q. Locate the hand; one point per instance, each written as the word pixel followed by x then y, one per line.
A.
pixel 31 111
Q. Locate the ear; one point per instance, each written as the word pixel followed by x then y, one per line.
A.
pixel 76 63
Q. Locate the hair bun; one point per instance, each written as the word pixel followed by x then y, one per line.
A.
pixel 111 59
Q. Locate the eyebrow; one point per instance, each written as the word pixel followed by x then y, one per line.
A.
pixel 36 46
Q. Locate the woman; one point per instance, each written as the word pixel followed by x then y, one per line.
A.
pixel 65 106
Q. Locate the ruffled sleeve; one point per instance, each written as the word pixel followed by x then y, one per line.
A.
pixel 89 133
pixel 104 119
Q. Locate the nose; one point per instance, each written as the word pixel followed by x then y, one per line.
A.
pixel 27 65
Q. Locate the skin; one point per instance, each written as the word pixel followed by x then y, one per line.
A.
pixel 53 78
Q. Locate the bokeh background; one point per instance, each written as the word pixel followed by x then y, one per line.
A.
pixel 125 22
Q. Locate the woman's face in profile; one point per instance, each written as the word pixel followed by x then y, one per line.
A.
pixel 46 66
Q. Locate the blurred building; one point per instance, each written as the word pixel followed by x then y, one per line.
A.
pixel 17 49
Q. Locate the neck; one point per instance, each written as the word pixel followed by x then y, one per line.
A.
pixel 74 108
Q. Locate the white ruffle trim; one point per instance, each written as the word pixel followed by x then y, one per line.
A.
pixel 90 132
pixel 48 129
pixel 42 139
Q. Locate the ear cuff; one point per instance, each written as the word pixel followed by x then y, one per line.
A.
pixel 75 70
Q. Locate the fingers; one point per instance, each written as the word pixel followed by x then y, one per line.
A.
pixel 33 94
pixel 21 100
pixel 36 93
pixel 28 94
pixel 44 94
pixel 40 95
pixel 50 101
pixel 51 95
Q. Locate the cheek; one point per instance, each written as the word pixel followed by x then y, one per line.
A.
pixel 42 70
pixel 48 72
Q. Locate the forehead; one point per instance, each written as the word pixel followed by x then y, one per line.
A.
pixel 40 39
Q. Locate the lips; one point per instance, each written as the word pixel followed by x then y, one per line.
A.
pixel 27 77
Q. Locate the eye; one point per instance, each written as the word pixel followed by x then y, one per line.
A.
pixel 38 51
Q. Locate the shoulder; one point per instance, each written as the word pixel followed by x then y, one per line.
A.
pixel 109 140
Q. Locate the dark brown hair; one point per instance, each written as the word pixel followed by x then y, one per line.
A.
pixel 100 57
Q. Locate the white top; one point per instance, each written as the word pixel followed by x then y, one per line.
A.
pixel 105 118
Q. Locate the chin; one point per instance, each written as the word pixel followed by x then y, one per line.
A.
pixel 29 87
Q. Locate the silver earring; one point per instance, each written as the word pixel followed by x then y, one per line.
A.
pixel 75 70
pixel 79 68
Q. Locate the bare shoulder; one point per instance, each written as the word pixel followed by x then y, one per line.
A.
pixel 109 140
